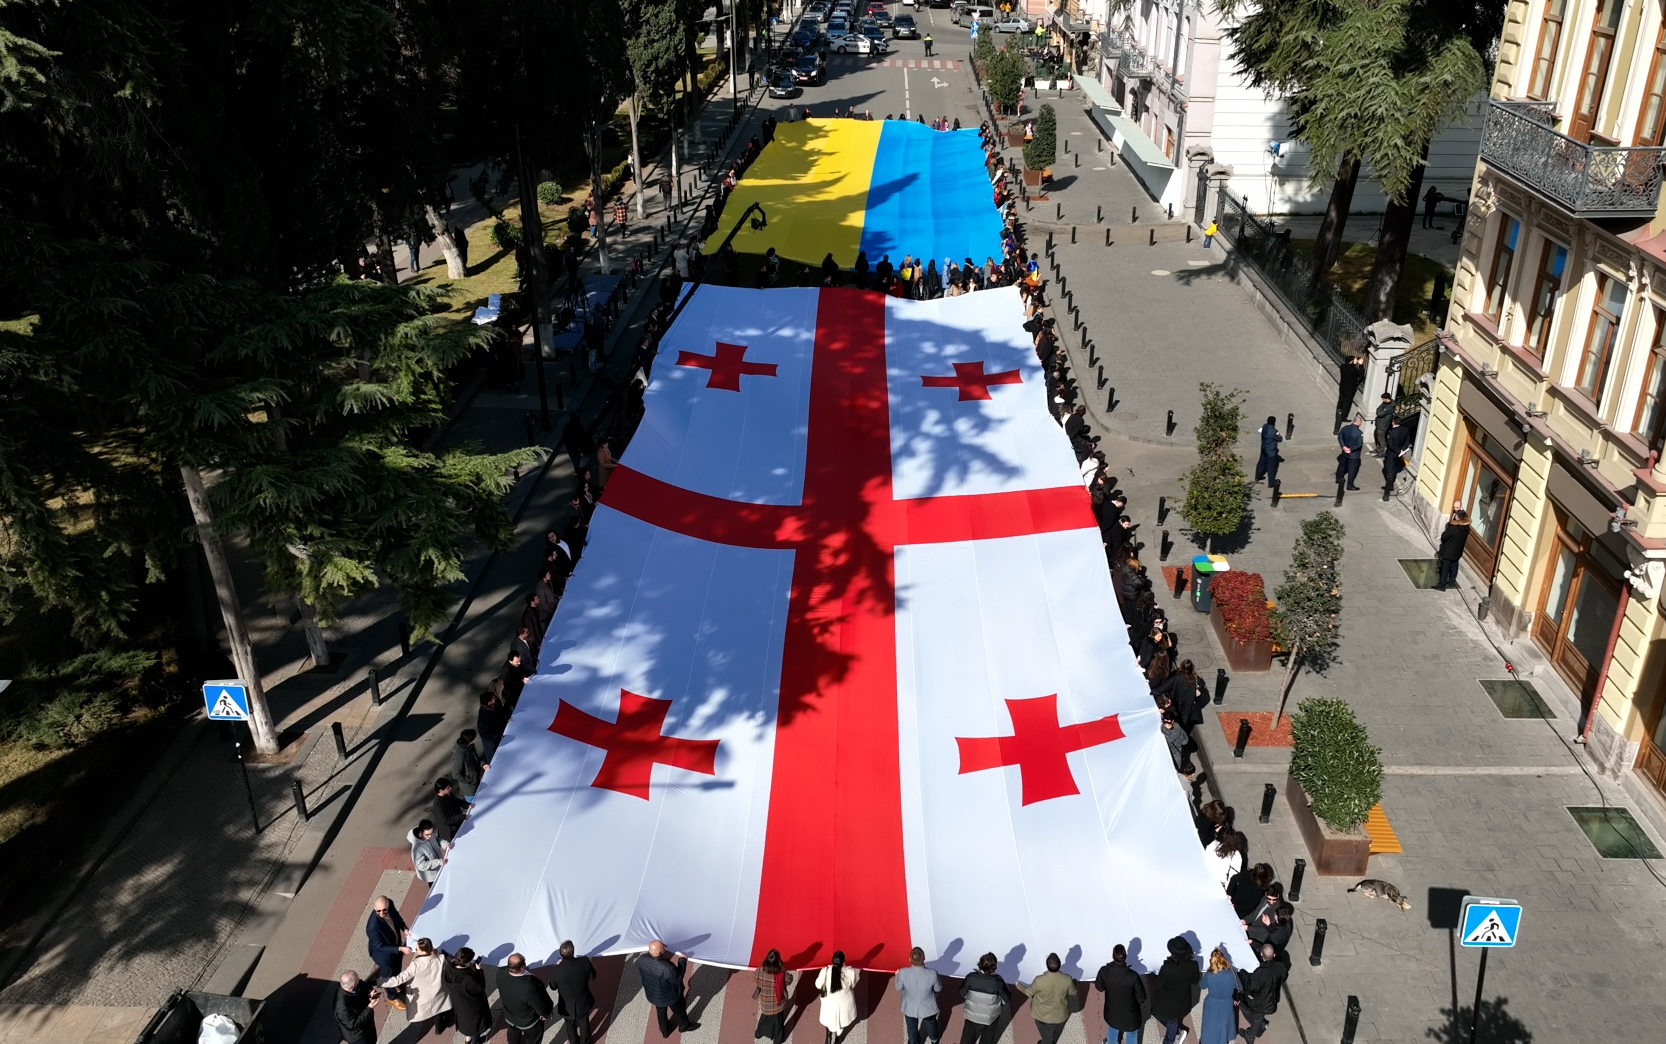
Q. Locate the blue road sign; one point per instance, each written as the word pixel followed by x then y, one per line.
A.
pixel 1489 922
pixel 226 700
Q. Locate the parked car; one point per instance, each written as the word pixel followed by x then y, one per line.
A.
pixel 881 19
pixel 784 84
pixel 903 27
pixel 1013 25
pixel 837 27
pixel 858 44
pixel 804 39
pixel 809 69
pixel 815 13
pixel 973 12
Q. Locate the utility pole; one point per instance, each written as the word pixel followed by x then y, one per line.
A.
pixel 734 51
pixel 595 141
pixel 261 729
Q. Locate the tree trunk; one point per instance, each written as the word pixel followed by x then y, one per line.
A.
pixel 532 229
pixel 317 649
pixel 1328 246
pixel 442 235
pixel 1384 284
pixel 636 160
pixel 1289 679
pixel 242 652
pixel 385 260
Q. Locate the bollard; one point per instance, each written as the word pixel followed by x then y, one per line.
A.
pixel 1289 424
pixel 1179 582
pixel 1350 1018
pixel 1243 738
pixel 1107 237
pixel 1073 233
pixel 1066 145
pixel 1277 486
pixel 1110 401
pixel 1294 894
pixel 1268 793
pixel 1171 211
pixel 1099 144
pixel 1076 160
pixel 300 799
pixel 1170 431
pixel 1092 359
pixel 1099 214
pixel 1133 215
pixel 1339 489
pixel 1058 211
pixel 1101 376
pixel 1163 547
pixel 1188 233
pixel 1320 927
pixel 1049 242
pixel 341 740
pixel 1152 241
pixel 375 688
pixel 1162 509
pixel 1220 685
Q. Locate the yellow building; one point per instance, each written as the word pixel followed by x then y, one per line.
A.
pixel 1549 404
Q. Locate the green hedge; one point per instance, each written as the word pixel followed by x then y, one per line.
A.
pixel 1334 761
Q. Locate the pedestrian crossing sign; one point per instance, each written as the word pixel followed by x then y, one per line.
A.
pixel 226 700
pixel 1489 922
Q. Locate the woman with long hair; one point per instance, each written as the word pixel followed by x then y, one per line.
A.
pixel 837 985
pixel 773 987
pixel 1227 857
pixel 1220 1013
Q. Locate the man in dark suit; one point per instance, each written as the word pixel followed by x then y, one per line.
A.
pixel 571 979
pixel 1124 992
pixel 355 1010
pixel 385 932
pixel 449 810
pixel 1396 444
pixel 1260 988
pixel 1350 442
pixel 1267 465
pixel 662 982
pixel 526 1002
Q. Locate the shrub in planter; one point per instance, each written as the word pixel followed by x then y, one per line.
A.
pixel 1216 488
pixel 1006 71
pixel 1335 763
pixel 1242 598
pixel 1042 150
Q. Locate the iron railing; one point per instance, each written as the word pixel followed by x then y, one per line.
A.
pixel 1586 180
pixel 1407 372
pixel 1135 64
pixel 1330 319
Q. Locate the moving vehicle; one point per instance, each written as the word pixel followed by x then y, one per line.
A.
pixel 784 84
pixel 837 27
pixel 856 43
pixel 974 12
pixel 1013 25
pixel 805 38
pixel 809 69
pixel 903 26
pixel 815 13
pixel 874 33
pixel 881 19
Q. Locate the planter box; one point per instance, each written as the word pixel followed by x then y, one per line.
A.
pixel 1240 656
pixel 1015 138
pixel 1332 854
pixel 1044 85
pixel 1032 178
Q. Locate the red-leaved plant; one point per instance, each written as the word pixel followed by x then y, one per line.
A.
pixel 1242 599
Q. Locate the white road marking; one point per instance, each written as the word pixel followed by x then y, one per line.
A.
pixel 935 82
pixel 1161 272
pixel 905 111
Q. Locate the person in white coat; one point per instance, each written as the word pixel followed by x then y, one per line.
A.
pixel 1226 857
pixel 837 986
pixel 426 998
pixel 427 851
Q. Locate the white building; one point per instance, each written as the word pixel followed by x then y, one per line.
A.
pixel 1175 103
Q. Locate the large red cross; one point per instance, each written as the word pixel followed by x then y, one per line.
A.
pixel 837 712
pixel 972 381
pixel 1038 746
pixel 726 366
pixel 634 744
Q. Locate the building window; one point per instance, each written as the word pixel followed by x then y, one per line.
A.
pixel 1594 80
pixel 1650 422
pixel 1544 59
pixel 1651 120
pixel 1503 258
pixel 1552 261
pixel 1484 491
pixel 1576 607
pixel 1598 352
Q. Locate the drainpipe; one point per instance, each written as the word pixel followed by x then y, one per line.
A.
pixel 1607 658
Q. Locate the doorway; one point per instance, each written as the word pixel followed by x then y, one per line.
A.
pixel 1576 607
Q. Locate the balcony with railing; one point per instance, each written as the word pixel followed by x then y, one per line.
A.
pixel 1588 181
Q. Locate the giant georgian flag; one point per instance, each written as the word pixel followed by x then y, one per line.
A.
pixel 841 669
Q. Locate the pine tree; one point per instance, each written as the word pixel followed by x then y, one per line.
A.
pixel 1309 601
pixel 1216 488
pixel 1042 150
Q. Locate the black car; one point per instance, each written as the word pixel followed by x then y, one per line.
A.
pixel 805 38
pixel 903 27
pixel 783 84
pixel 808 69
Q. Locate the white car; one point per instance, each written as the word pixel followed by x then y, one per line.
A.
pixel 1013 25
pixel 857 44
pixel 908 3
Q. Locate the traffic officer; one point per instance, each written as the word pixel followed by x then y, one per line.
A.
pixel 928 45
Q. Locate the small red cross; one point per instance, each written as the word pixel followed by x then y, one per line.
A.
pixel 1038 747
pixel 972 381
pixel 634 744
pixel 727 366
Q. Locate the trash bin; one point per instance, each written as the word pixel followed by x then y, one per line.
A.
pixel 181 1016
pixel 1204 568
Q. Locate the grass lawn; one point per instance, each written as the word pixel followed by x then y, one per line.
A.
pixel 1417 282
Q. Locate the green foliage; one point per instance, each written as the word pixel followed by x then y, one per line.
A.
pixel 984 51
pixel 1216 487
pixel 1005 74
pixel 505 235
pixel 1042 150
pixel 1310 596
pixel 70 703
pixel 1334 761
pixel 549 193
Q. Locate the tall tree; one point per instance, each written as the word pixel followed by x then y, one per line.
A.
pixel 1309 601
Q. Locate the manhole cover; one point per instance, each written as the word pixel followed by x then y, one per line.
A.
pixel 1613 833
pixel 1517 699
pixel 1424 573
pixel 1161 272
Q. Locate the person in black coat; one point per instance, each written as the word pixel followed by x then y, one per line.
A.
pixel 1171 993
pixel 385 932
pixel 1395 443
pixel 1350 444
pixel 1452 541
pixel 1267 464
pixel 467 768
pixel 490 722
pixel 662 984
pixel 1247 888
pixel 525 1001
pixel 449 810
pixel 355 1010
pixel 1125 997
pixel 1261 991
pixel 465 984
pixel 571 979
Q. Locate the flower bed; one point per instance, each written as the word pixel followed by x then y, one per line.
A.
pixel 1242 624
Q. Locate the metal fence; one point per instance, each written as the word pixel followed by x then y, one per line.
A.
pixel 1330 319
pixel 1408 371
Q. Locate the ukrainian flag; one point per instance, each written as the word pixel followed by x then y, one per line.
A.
pixel 883 186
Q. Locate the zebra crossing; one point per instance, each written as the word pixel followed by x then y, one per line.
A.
pixel 837 60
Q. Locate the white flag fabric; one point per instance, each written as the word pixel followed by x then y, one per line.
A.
pixel 840 669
